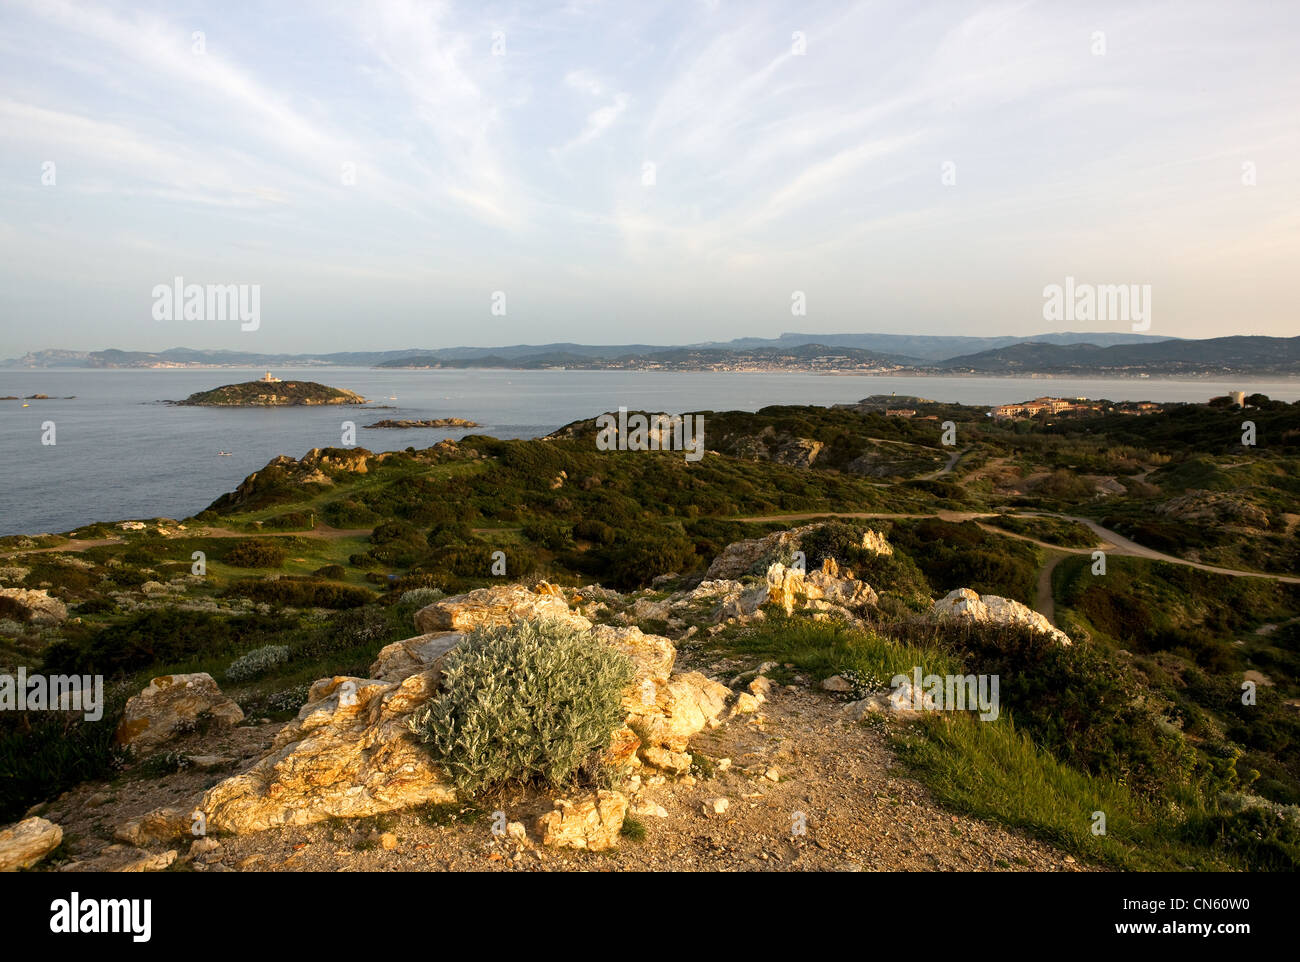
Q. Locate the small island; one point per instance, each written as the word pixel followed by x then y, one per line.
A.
pixel 431 423
pixel 272 392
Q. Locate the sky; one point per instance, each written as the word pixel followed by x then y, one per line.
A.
pixel 390 174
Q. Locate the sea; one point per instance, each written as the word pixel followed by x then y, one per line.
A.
pixel 120 452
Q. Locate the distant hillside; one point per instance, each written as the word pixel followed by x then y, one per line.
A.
pixel 272 394
pixel 1219 355
pixel 1062 353
pixel 929 347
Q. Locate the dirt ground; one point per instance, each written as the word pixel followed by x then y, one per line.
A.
pixel 797 765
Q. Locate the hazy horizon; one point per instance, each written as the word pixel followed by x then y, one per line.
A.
pixel 619 174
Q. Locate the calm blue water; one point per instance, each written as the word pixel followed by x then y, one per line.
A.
pixel 120 454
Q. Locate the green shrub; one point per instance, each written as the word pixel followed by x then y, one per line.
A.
pixel 257 662
pixel 255 553
pixel 348 514
pixel 158 639
pixel 528 703
pixel 302 594
pixel 331 572
pixel 1266 838
pixel 291 521
pixel 44 753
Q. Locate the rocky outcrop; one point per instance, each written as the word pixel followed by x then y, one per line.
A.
pixel 591 823
pixel 798 452
pixel 26 843
pixel 758 554
pixel 173 705
pixel 31 605
pixel 1217 507
pixel 496 606
pixel 421 653
pixel 348 754
pixel 828 590
pixel 967 605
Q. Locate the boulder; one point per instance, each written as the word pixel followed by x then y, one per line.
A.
pixel 26 843
pixel 159 825
pixel 498 605
pixel 593 822
pixel 32 605
pixel 348 754
pixel 171 705
pixel 967 605
pixel 684 705
pixel 394 662
pixel 838 587
pixel 124 858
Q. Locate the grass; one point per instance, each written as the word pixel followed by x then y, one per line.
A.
pixel 993 771
pixel 825 648
pixel 443 814
pixel 633 829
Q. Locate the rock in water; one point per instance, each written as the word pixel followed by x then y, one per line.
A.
pixel 171 705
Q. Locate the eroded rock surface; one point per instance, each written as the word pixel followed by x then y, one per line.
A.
pixel 968 605
pixel 171 705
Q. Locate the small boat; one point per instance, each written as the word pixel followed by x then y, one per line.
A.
pixel 224 454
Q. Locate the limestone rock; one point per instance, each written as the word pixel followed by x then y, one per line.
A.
pixel 32 605
pixel 171 705
pixel 684 705
pixel 839 588
pixel 752 556
pixel 965 604
pixel 124 858
pixel 593 822
pixel 26 843
pixel 394 662
pixel 679 763
pixel 348 754
pixel 159 825
pixel 498 605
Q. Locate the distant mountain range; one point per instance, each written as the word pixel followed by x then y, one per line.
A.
pixel 1072 353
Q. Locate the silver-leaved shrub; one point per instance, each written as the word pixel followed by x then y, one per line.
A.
pixel 533 702
pixel 257 662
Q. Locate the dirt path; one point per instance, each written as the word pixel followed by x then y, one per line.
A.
pixel 1044 598
pixel 946 469
pixel 320 531
pixel 1109 541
